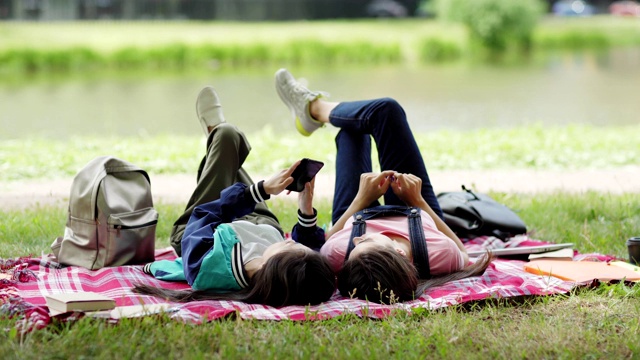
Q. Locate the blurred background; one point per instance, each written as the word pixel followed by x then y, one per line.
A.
pixel 263 9
pixel 134 67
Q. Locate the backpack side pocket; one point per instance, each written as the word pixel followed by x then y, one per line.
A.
pixel 131 237
pixel 79 244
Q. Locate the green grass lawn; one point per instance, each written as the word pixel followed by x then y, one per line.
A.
pixel 588 323
pixel 598 322
pixel 526 147
pixel 595 222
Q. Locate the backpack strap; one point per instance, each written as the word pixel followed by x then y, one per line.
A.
pixel 359 228
pixel 416 237
pixel 419 245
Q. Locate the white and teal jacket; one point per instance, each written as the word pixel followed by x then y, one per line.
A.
pixel 215 246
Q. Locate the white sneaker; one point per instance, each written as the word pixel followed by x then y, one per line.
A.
pixel 297 98
pixel 208 109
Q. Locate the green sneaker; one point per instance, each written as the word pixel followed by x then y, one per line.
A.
pixel 297 98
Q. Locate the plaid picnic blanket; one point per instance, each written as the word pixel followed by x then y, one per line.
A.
pixel 33 278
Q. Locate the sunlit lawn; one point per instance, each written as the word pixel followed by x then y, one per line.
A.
pixel 527 147
pixel 599 322
pixel 590 323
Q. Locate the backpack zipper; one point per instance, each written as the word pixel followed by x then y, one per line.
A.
pixel 129 227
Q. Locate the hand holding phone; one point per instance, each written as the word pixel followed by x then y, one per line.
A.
pixel 302 174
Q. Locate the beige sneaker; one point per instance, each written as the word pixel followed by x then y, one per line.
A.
pixel 297 98
pixel 208 109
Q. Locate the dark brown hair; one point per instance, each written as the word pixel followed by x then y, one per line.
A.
pixel 384 276
pixel 288 278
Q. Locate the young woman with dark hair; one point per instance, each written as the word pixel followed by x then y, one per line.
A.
pixel 232 247
pixel 382 253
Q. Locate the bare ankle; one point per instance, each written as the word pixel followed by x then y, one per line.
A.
pixel 320 109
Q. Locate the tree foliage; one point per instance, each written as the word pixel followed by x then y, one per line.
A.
pixel 494 24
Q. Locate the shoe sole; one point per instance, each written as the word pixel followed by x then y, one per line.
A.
pixel 297 121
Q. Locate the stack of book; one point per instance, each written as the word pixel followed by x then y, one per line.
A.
pixel 78 301
pixel 100 306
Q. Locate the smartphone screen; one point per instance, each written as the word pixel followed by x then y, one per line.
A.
pixel 305 171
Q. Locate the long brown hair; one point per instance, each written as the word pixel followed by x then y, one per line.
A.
pixel 384 276
pixel 287 278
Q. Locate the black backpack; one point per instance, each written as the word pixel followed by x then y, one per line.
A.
pixel 471 214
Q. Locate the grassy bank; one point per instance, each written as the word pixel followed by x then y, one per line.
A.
pixel 101 46
pixel 594 323
pixel 527 147
pixel 595 222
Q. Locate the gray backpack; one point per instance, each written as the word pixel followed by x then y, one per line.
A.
pixel 111 219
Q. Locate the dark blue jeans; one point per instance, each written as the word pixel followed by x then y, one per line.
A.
pixel 385 121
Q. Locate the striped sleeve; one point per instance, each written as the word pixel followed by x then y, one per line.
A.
pixel 308 220
pixel 237 268
pixel 257 192
pixel 307 232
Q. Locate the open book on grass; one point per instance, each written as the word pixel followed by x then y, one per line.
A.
pixel 78 301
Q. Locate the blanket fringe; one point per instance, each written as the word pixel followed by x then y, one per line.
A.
pixel 8 264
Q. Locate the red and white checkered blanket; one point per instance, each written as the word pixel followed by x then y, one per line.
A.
pixel 34 278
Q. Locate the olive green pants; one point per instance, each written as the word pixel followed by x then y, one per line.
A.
pixel 227 149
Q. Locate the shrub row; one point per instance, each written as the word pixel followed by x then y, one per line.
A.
pixel 302 51
pixel 181 56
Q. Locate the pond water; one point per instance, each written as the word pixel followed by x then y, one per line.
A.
pixel 579 88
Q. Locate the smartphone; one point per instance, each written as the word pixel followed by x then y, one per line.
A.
pixel 302 174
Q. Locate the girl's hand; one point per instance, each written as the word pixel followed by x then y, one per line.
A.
pixel 373 186
pixel 305 198
pixel 278 182
pixel 408 188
